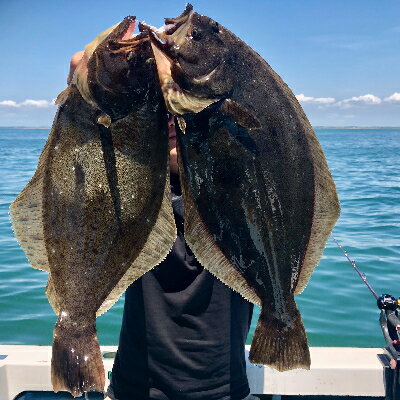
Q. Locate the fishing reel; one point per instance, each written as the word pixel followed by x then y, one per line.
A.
pixel 390 325
pixel 388 302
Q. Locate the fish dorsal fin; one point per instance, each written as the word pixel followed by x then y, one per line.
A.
pixel 206 250
pixel 26 211
pixel 26 217
pixel 241 115
pixel 326 212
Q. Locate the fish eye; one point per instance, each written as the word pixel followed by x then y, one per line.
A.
pixel 196 34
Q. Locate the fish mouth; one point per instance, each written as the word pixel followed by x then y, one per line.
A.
pixel 172 34
pixel 118 33
pixel 121 31
pixel 123 40
pixel 167 40
pixel 165 43
pixel 124 30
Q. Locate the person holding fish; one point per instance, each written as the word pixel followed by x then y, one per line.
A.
pixel 183 331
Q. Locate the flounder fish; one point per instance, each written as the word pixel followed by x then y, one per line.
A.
pixel 259 199
pixel 97 213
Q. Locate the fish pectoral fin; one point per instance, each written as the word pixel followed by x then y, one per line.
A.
pixel 104 119
pixel 241 115
pixel 63 96
pixel 181 123
pixel 26 213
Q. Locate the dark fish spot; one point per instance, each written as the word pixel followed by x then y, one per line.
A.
pixel 111 170
pixel 243 137
pixel 228 174
pixel 274 132
pixel 79 174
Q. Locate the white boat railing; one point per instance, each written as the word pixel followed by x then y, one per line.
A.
pixel 335 371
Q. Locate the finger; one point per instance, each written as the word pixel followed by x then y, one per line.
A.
pixel 75 60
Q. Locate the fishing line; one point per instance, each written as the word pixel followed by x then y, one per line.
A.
pixel 390 314
pixel 384 301
pixel 353 263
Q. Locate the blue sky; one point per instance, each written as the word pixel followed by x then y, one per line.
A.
pixel 341 58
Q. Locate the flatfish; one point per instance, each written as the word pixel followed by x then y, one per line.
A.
pixel 97 213
pixel 259 199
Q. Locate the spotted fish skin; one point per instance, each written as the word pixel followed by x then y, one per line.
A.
pixel 99 203
pixel 260 201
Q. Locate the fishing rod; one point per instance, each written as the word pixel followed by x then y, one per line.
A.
pixel 384 301
pixel 390 324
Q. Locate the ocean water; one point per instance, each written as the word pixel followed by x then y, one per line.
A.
pixel 337 308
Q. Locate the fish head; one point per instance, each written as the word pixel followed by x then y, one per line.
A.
pixel 193 59
pixel 113 73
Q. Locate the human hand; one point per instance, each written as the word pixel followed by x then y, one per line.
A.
pixel 75 60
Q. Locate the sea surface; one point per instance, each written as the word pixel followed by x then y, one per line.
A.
pixel 337 307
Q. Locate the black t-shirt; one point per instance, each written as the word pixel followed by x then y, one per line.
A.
pixel 183 332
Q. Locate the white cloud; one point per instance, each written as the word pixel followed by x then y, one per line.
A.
pixel 27 103
pixel 317 100
pixel 394 97
pixel 365 99
pixel 36 103
pixel 8 103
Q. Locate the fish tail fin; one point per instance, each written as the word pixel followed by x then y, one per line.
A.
pixel 76 363
pixel 280 345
